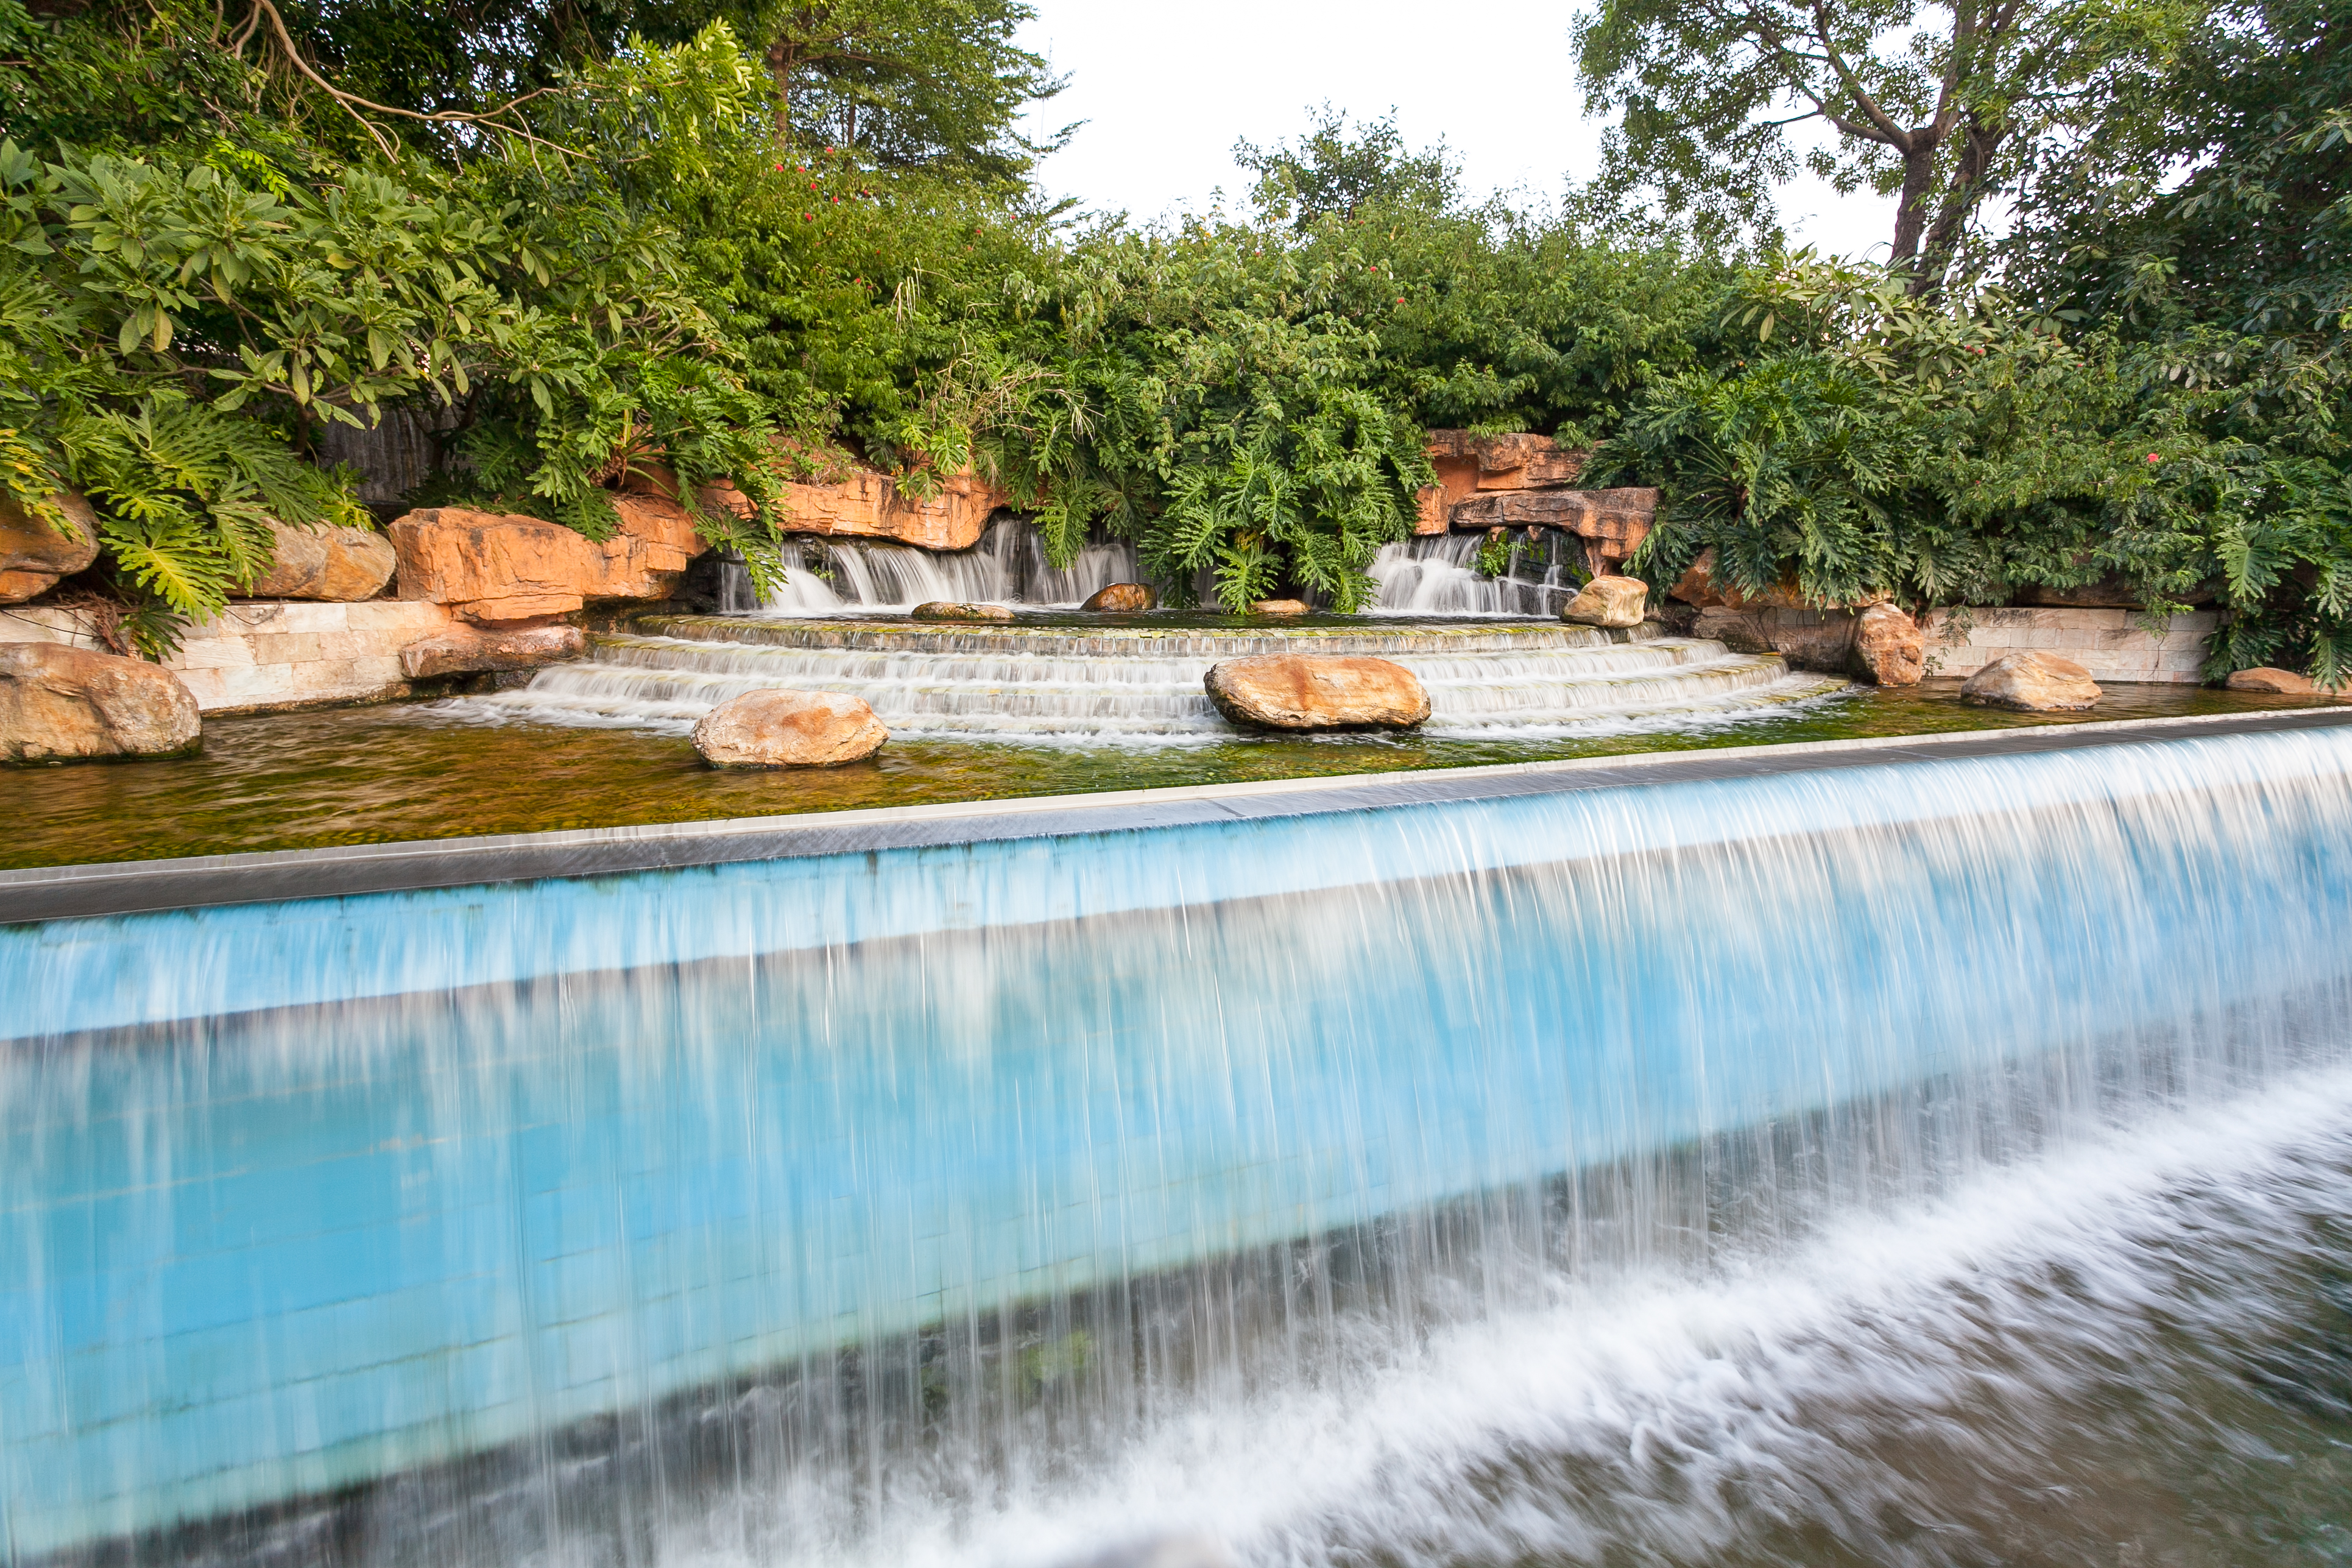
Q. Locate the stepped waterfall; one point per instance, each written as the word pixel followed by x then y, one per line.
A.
pixel 1912 1158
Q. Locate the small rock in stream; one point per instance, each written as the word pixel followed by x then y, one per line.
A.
pixel 948 610
pixel 2035 680
pixel 1122 599
pixel 1614 602
pixel 789 729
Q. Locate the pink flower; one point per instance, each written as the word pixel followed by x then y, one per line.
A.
pixel 2153 457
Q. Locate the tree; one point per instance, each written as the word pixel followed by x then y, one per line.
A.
pixel 1940 104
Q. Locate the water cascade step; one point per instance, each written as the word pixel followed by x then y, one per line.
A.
pixel 1048 683
pixel 1876 1163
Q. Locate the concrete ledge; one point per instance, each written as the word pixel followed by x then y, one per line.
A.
pixel 64 892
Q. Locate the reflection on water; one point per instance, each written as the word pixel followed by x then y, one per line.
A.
pixel 370 776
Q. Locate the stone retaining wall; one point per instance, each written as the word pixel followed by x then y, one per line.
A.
pixel 2113 645
pixel 266 654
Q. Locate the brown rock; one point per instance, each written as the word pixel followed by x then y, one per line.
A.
pixel 1889 646
pixel 789 729
pixel 1122 599
pixel 60 703
pixel 1611 522
pixel 948 610
pixel 461 649
pixel 871 505
pixel 2265 679
pixel 2035 680
pixel 34 553
pixel 1697 585
pixel 1316 691
pixel 497 570
pixel 1608 602
pixel 336 565
pixel 1279 607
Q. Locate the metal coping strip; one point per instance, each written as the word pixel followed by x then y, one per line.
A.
pixel 131 887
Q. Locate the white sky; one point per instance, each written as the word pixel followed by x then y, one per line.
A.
pixel 1166 90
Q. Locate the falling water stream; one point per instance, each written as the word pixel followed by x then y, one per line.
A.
pixel 1937 1162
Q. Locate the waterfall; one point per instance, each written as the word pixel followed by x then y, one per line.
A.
pixel 1753 1169
pixel 833 576
pixel 1143 686
pixel 1436 574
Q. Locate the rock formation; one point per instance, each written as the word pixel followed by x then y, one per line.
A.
pixel 869 505
pixel 497 570
pixel 1122 599
pixel 462 649
pixel 1889 648
pixel 62 704
pixel 1613 602
pixel 1316 691
pixel 948 610
pixel 34 553
pixel 789 729
pixel 1525 481
pixel 2035 680
pixel 338 564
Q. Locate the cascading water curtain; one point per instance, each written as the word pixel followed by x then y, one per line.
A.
pixel 1809 1168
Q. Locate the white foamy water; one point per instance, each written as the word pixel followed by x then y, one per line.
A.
pixel 1785 1393
pixel 1008 567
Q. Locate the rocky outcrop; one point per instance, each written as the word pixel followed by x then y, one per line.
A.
pixel 64 704
pixel 34 553
pixel 2284 682
pixel 340 565
pixel 1615 602
pixel 947 610
pixel 789 729
pixel 869 505
pixel 463 650
pixel 1525 481
pixel 1698 586
pixel 503 569
pixel 1122 599
pixel 1278 607
pixel 2033 680
pixel 1889 648
pixel 1316 691
pixel 1466 464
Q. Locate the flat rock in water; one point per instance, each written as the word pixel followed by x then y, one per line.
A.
pixel 2265 679
pixel 789 729
pixel 2035 680
pixel 337 564
pixel 63 704
pixel 1278 607
pixel 35 552
pixel 1316 691
pixel 1889 646
pixel 947 610
pixel 464 648
pixel 1123 598
pixel 1613 602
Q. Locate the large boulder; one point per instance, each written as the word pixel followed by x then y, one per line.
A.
pixel 62 704
pixel 949 610
pixel 1888 646
pixel 1615 602
pixel 789 729
pixel 2035 680
pixel 1316 691
pixel 497 569
pixel 870 505
pixel 340 565
pixel 1122 598
pixel 464 649
pixel 1612 523
pixel 35 552
pixel 2264 678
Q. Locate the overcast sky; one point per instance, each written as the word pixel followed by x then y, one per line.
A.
pixel 1166 90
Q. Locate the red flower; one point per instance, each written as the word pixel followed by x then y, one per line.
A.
pixel 2154 458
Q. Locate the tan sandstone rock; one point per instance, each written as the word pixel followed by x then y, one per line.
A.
pixel 871 505
pixel 34 554
pixel 948 610
pixel 494 568
pixel 1889 646
pixel 1614 601
pixel 1278 607
pixel 464 649
pixel 62 704
pixel 1122 598
pixel 2035 680
pixel 336 565
pixel 1467 464
pixel 789 729
pixel 1316 691
pixel 1612 523
pixel 2285 682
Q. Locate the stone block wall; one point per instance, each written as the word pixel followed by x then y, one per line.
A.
pixel 2112 644
pixel 266 654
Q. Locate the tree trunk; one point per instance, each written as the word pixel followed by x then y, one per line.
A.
pixel 1942 241
pixel 1911 210
pixel 780 67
